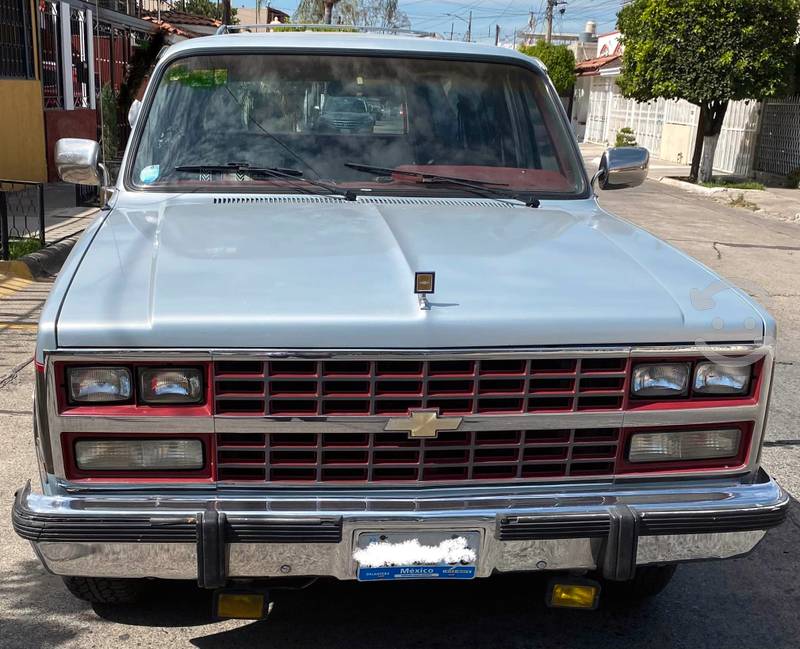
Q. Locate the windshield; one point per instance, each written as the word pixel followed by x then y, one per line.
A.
pixel 363 124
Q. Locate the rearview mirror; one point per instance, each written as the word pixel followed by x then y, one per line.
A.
pixel 622 167
pixel 78 162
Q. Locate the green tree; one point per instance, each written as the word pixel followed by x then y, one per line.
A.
pixel 205 8
pixel 367 13
pixel 708 52
pixel 560 63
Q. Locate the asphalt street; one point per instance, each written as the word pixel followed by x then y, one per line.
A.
pixel 744 603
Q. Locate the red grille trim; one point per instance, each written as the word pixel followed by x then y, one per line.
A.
pixel 456 387
pixel 392 457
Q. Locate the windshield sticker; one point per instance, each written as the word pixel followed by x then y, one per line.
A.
pixel 198 78
pixel 150 174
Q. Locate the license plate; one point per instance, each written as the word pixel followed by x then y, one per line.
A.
pixel 391 556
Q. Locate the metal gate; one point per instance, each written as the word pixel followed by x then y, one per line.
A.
pixel 778 150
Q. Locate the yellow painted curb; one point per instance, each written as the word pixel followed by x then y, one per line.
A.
pixel 10 285
pixel 16 268
pixel 25 326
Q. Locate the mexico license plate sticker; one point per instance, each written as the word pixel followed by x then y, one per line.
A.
pixel 392 556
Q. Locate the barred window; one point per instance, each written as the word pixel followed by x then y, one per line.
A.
pixel 16 53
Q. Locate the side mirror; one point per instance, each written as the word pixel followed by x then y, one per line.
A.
pixel 78 162
pixel 133 112
pixel 622 167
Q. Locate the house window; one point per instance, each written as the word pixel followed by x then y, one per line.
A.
pixel 16 51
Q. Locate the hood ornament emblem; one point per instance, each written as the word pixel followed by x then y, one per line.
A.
pixel 424 284
pixel 423 424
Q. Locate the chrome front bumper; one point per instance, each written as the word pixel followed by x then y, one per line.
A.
pixel 214 536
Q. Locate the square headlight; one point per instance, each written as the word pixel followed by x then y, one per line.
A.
pixel 164 385
pixel 660 380
pixel 99 384
pixel 716 378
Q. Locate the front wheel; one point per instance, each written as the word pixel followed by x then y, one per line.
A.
pixel 101 590
pixel 648 582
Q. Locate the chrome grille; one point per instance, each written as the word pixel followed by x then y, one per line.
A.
pixel 385 457
pixel 307 388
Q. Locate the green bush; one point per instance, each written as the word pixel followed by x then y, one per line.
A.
pixel 20 247
pixel 110 130
pixel 625 137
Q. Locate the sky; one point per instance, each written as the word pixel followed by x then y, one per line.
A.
pixel 511 15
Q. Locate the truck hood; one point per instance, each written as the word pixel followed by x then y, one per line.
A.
pixel 204 273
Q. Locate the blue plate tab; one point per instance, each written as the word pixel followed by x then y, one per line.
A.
pixel 416 572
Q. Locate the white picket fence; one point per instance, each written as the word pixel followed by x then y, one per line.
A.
pixel 609 111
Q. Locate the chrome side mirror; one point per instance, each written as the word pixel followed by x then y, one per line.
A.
pixel 78 162
pixel 133 112
pixel 622 167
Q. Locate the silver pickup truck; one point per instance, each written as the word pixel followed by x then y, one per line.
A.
pixel 409 345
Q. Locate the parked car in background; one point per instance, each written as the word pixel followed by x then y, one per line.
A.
pixel 422 352
pixel 346 115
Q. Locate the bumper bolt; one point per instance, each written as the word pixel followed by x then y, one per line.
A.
pixel 541 565
pixel 286 569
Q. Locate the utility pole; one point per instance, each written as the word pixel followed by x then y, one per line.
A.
pixel 452 25
pixel 552 4
pixel 496 35
pixel 469 28
pixel 226 12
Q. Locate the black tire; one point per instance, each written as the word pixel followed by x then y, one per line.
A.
pixel 100 590
pixel 649 581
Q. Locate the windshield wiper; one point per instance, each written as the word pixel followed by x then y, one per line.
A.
pixel 484 188
pixel 246 169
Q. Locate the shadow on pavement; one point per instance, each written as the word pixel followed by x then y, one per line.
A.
pixel 747 602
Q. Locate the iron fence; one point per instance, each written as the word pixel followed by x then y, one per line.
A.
pixel 778 150
pixel 16 50
pixel 50 55
pixel 21 214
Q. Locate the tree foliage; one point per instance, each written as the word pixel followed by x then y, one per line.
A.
pixel 205 8
pixel 702 50
pixel 367 13
pixel 560 63
pixel 708 52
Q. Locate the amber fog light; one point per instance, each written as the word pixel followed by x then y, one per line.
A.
pixel 139 454
pixel 170 385
pixel 99 384
pixel 684 445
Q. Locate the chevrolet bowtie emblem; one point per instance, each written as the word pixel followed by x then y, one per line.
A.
pixel 423 423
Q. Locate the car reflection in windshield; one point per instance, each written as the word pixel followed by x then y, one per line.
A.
pixel 345 115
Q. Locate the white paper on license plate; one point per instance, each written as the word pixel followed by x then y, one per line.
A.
pixel 416 555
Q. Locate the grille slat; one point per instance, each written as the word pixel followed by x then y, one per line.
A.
pixel 309 388
pixel 455 456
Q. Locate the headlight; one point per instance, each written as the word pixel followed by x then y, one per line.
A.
pixel 170 385
pixel 660 380
pixel 684 445
pixel 714 378
pixel 138 454
pixel 99 384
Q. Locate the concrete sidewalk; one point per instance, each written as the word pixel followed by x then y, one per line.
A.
pixel 774 202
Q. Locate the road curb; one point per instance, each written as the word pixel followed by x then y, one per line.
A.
pixel 42 263
pixel 47 261
pixel 691 187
